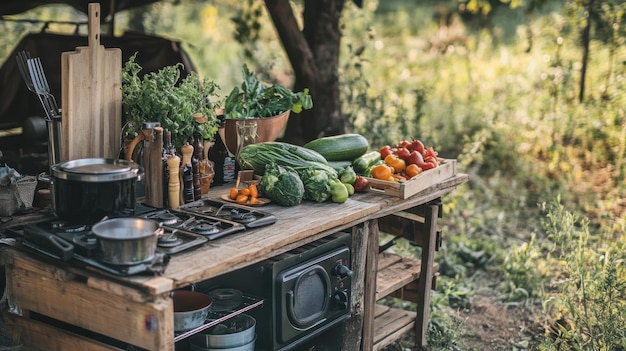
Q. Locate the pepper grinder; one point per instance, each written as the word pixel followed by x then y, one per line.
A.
pixel 188 192
pixel 173 164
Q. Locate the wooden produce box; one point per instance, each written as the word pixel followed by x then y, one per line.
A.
pixel 446 169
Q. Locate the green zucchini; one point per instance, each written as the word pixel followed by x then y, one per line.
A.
pixel 342 147
pixel 365 161
pixel 339 165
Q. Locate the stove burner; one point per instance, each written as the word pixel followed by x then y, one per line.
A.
pixel 242 215
pixel 169 240
pixel 64 227
pixel 167 218
pixel 205 228
pixel 88 239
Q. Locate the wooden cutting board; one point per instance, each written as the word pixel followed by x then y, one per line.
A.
pixel 91 89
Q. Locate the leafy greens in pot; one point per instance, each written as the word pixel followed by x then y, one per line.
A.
pixel 257 100
pixel 166 98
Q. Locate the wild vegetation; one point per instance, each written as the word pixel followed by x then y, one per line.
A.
pixel 540 228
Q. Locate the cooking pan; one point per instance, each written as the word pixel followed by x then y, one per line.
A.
pixel 127 241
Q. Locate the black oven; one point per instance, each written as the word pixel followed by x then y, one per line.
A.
pixel 306 292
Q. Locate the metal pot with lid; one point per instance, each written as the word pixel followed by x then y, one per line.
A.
pixel 86 190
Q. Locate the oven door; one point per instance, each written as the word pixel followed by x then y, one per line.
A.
pixel 304 297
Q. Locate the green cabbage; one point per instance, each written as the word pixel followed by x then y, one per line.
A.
pixel 316 184
pixel 282 185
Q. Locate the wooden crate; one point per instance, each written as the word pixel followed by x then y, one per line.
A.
pixel 423 181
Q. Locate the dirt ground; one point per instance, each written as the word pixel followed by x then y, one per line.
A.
pixel 490 325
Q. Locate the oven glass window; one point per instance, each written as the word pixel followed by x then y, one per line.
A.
pixel 310 299
pixel 307 300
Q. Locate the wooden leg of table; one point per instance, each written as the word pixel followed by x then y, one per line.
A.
pixel 426 275
pixel 369 298
pixel 362 294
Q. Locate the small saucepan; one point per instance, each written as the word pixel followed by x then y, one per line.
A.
pixel 191 309
pixel 127 241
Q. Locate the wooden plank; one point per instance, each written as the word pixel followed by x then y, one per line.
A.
pixel 296 226
pixel 391 325
pixel 426 277
pixel 353 328
pixel 386 260
pixel 371 267
pixel 397 275
pixel 67 298
pixel 34 335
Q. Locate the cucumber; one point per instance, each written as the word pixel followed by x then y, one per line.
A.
pixel 362 163
pixel 339 165
pixel 342 147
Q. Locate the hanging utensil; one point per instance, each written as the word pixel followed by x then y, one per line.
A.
pixel 23 58
pixel 42 88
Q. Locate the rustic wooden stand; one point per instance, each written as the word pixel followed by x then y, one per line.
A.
pixel 63 306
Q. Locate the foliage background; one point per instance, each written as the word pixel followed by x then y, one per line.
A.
pixel 540 227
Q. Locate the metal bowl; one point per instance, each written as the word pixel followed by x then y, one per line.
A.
pixel 238 331
pixel 191 309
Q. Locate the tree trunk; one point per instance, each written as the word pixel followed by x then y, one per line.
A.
pixel 586 38
pixel 314 57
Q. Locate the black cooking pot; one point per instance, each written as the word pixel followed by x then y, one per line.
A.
pixel 86 190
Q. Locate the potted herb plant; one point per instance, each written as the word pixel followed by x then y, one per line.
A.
pixel 269 105
pixel 164 97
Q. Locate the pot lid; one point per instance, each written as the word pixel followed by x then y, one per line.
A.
pixel 95 166
pixel 96 170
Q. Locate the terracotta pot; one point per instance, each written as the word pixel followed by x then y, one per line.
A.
pixel 268 129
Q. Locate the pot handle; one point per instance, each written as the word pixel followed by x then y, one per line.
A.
pixel 144 134
pixel 57 245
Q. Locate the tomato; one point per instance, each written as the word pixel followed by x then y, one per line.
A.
pixel 430 158
pixel 403 153
pixel 397 163
pixel 416 158
pixel 404 144
pixel 412 170
pixel 418 146
pixel 384 151
pixel 427 165
pixel 430 152
pixel 381 172
pixel 361 183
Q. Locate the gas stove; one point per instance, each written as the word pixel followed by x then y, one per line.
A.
pixel 185 223
pixel 65 241
pixel 248 216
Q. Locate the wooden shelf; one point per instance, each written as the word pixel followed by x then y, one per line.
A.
pixel 397 276
pixel 390 324
pixel 397 272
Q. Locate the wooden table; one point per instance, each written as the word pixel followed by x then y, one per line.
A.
pixel 139 310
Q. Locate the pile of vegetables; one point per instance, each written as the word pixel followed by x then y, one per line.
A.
pixel 247 195
pixel 331 168
pixel 320 181
pixel 404 161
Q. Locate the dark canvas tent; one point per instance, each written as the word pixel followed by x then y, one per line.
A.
pixel 18 105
